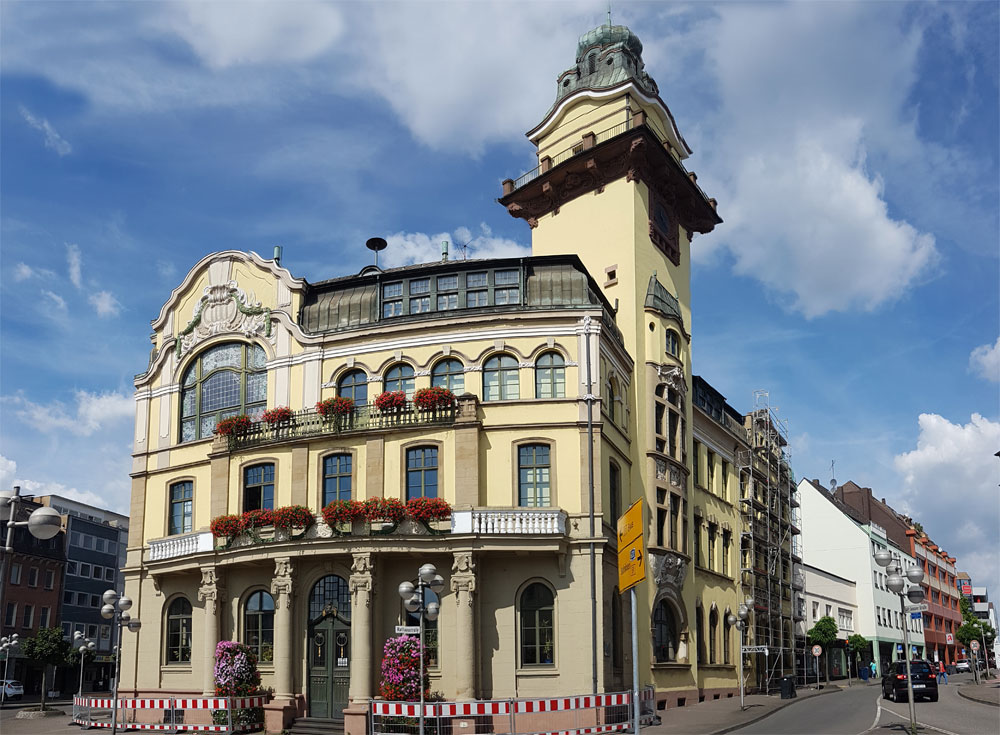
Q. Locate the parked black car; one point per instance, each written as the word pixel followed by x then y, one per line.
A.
pixel 924 681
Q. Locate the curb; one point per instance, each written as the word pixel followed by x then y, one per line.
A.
pixel 765 715
pixel 972 698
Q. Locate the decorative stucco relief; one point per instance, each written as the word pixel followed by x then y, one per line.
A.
pixel 224 309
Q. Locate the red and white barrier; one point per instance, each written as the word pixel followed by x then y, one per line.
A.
pixel 84 706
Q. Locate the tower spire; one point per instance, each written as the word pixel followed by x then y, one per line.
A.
pixel 609 13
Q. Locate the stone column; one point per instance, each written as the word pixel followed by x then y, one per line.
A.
pixel 362 591
pixel 463 584
pixel 284 629
pixel 211 593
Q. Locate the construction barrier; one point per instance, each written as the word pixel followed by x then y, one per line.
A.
pixel 168 714
pixel 591 714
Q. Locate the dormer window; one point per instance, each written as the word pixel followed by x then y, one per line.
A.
pixel 592 63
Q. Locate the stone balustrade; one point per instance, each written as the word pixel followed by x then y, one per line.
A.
pixel 521 521
pixel 174 546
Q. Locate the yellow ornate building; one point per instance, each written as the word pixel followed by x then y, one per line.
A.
pixel 572 369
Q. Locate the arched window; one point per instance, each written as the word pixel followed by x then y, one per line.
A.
pixel 664 633
pixel 258 487
pixel 614 398
pixel 449 374
pixel 179 632
pixel 727 642
pixel 258 625
pixel 181 507
pixel 400 377
pixel 614 491
pixel 354 385
pixel 550 376
pixel 700 627
pixel 223 381
pixel 534 465
pixel 673 343
pixel 421 472
pixel 500 379
pixel 430 626
pixel 592 63
pixel 537 626
pixel 713 636
pixel 336 478
pixel 331 593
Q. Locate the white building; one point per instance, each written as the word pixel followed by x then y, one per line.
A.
pixel 827 594
pixel 833 540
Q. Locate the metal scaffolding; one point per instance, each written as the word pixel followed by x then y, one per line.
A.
pixel 769 549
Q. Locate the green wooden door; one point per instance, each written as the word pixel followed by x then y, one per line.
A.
pixel 329 667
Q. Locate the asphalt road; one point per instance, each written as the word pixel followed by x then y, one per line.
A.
pixel 861 709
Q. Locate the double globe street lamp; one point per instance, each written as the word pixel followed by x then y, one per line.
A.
pixel 117 609
pixel 43 523
pixel 8 646
pixel 415 601
pixel 739 621
pixel 896 582
pixel 82 644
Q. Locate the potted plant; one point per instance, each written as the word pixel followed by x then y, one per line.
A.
pixel 339 512
pixel 428 399
pixel 251 520
pixel 391 400
pixel 225 526
pixel 389 511
pixel 292 516
pixel 427 510
pixel 333 407
pixel 233 425
pixel 277 415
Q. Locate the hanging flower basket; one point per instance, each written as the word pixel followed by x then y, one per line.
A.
pixel 292 516
pixel 277 415
pixel 394 400
pixel 428 509
pixel 234 425
pixel 331 407
pixel 387 510
pixel 430 398
pixel 225 526
pixel 254 519
pixel 339 512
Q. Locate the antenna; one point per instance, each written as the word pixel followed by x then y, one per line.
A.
pixel 833 474
pixel 609 13
pixel 375 244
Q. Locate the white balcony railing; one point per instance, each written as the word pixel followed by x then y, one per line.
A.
pixel 526 522
pixel 174 546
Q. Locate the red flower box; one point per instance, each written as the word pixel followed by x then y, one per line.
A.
pixel 390 510
pixel 234 425
pixel 293 516
pixel 428 398
pixel 428 509
pixel 253 519
pixel 339 406
pixel 225 526
pixel 392 400
pixel 277 415
pixel 343 511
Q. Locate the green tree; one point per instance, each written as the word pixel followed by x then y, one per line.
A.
pixel 50 650
pixel 824 633
pixel 974 629
pixel 857 643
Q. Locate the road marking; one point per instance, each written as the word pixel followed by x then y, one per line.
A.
pixel 921 724
pixel 878 712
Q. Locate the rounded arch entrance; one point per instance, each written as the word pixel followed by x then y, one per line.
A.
pixel 329 655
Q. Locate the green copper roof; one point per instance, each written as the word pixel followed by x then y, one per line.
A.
pixel 660 299
pixel 606 57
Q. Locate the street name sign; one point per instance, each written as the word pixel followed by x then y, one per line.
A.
pixel 631 550
pixel 921 607
pixel 407 630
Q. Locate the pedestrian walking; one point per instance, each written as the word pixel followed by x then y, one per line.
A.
pixel 942 673
pixel 874 670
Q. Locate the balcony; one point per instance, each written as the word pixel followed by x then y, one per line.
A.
pixel 308 423
pixel 519 522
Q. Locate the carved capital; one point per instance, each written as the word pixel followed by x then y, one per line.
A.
pixel 669 569
pixel 672 376
pixel 363 563
pixel 463 562
pixel 211 591
pixel 282 582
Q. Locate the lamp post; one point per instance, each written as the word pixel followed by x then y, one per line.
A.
pixel 116 608
pixel 9 646
pixel 915 594
pixel 739 621
pixel 43 523
pixel 415 601
pixel 82 645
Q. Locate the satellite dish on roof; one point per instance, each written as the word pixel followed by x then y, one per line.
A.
pixel 375 244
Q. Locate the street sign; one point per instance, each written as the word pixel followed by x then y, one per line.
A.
pixel 915 616
pixel 920 607
pixel 631 550
pixel 949 639
pixel 817 650
pixel 974 646
pixel 407 630
pixel 966 589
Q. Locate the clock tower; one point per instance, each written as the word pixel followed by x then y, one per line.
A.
pixel 612 188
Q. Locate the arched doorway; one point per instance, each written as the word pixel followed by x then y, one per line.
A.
pixel 329 647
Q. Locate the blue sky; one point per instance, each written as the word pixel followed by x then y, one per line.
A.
pixel 853 148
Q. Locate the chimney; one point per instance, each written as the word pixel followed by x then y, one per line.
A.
pixel 444 251
pixel 277 255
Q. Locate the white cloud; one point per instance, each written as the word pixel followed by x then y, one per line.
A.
pixel 950 486
pixel 405 248
pixel 9 476
pixel 105 304
pixel 52 138
pixel 22 272
pixel 985 361
pixel 74 262
pixel 225 34
pixel 55 299
pixel 92 413
pixel 8 472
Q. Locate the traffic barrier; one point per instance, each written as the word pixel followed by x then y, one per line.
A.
pixel 591 714
pixel 167 714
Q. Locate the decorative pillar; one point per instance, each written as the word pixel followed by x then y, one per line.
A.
pixel 284 628
pixel 362 571
pixel 211 593
pixel 463 584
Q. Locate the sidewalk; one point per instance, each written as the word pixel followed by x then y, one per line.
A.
pixel 987 693
pixel 723 715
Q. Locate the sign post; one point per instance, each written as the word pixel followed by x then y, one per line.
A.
pixel 817 651
pixel 974 645
pixel 631 571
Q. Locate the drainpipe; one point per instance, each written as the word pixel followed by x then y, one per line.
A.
pixel 589 397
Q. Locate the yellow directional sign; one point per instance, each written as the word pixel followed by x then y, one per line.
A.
pixel 631 549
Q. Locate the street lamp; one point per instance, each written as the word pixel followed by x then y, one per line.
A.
pixel 896 582
pixel 116 608
pixel 82 644
pixel 414 600
pixel 9 647
pixel 43 523
pixel 739 621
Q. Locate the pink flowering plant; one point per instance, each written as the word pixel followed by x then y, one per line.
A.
pixel 401 670
pixel 236 675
